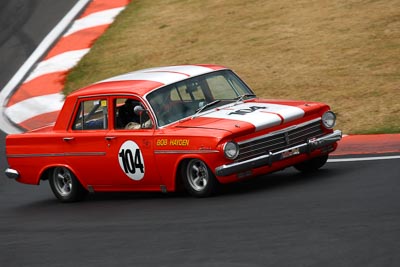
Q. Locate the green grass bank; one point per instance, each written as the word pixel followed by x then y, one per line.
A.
pixel 342 52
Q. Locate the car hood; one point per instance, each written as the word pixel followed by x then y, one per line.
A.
pixel 253 116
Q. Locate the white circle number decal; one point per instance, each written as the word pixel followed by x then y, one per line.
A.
pixel 131 160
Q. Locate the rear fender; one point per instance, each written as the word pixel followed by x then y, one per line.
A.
pixel 47 171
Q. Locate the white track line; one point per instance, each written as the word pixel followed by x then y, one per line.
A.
pixel 60 62
pixel 363 159
pixel 95 19
pixel 43 47
pixel 27 109
pixel 34 106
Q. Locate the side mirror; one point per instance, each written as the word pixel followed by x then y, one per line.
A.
pixel 138 110
pixel 145 121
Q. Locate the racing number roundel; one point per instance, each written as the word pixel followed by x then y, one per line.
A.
pixel 131 160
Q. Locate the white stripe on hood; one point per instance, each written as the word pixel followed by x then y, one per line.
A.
pixel 261 115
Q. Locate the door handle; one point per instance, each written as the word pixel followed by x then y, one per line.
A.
pixel 66 139
pixel 109 138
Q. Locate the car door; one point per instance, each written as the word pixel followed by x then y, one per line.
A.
pixel 130 146
pixel 85 144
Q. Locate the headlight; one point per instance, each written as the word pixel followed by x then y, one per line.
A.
pixel 231 150
pixel 329 119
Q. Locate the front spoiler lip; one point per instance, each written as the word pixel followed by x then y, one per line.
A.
pixel 268 159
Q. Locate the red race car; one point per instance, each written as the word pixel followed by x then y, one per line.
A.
pixel 160 129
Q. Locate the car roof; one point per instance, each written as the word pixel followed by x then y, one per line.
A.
pixel 144 81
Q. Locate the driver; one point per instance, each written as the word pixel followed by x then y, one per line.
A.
pixel 126 113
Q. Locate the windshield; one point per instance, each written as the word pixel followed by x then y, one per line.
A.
pixel 192 96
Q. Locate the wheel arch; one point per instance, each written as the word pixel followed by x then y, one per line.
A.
pixel 178 182
pixel 48 170
pixel 180 168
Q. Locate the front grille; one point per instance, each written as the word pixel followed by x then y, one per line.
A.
pixel 279 140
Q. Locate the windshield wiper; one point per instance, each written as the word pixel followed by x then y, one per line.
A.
pixel 200 109
pixel 241 97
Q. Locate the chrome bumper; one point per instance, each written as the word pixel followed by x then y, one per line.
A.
pixel 268 159
pixel 11 173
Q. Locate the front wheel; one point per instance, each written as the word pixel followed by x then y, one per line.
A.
pixel 65 186
pixel 312 164
pixel 198 179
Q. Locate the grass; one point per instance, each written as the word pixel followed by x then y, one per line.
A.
pixel 342 52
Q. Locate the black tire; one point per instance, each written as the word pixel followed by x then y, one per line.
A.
pixel 65 186
pixel 312 165
pixel 198 179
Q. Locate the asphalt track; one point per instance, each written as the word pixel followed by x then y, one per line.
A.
pixel 347 214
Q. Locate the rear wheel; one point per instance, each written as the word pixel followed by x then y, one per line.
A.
pixel 198 179
pixel 312 164
pixel 65 186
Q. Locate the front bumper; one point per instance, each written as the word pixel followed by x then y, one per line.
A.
pixel 11 173
pixel 268 159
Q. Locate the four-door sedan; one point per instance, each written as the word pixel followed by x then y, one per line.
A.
pixel 161 129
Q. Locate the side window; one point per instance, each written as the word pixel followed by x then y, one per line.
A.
pixel 92 115
pixel 130 114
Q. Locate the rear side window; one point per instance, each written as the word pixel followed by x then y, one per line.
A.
pixel 92 115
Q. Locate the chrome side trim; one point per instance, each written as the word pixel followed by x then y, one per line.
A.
pixel 57 155
pixel 85 154
pixel 268 159
pixel 185 151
